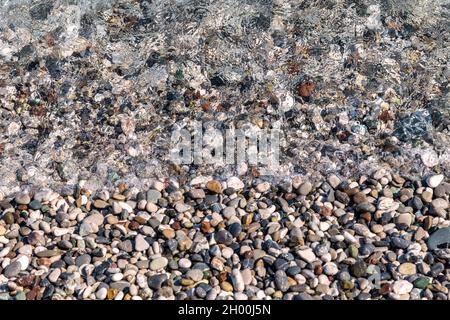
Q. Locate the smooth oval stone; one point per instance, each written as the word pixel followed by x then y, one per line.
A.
pixel 12 269
pixel 235 229
pixel 281 281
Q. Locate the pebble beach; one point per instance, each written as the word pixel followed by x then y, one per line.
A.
pixel 92 207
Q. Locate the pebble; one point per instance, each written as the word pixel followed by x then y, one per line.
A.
pixel 153 196
pixel 101 293
pixel 184 263
pixel 22 198
pixel 305 188
pixel 12 270
pixel 224 237
pixel 140 244
pixel 407 268
pixel 404 219
pixel 307 255
pixel 402 287
pixel 281 281
pixel 238 281
pixel 435 180
pixel 214 186
pixel 291 241
pixel 158 263
pixel 155 282
pixel 235 183
pixel 195 274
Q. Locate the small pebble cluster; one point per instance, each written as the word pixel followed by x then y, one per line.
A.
pixel 381 236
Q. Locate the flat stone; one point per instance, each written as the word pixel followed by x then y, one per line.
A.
pixel 151 207
pixel 100 204
pixel 184 263
pixel 427 196
pixel 307 255
pixel 197 193
pixel 101 293
pixel 24 261
pixel 235 183
pixel 126 246
pixel 35 205
pixel 334 181
pixel 305 188
pixel 402 287
pixel 442 189
pixel 195 274
pixel 407 268
pixel 435 180
pixel 281 281
pixel 12 269
pixel 359 197
pixel 430 158
pixel 140 244
pixel 158 263
pixel 247 276
pixel 404 219
pixel 214 186
pixel 387 204
pixel 439 206
pixel 95 219
pixel 330 269
pixel 168 233
pixel 421 282
pixel 182 207
pixel 365 207
pixel 420 234
pixel 153 196
pixel 184 244
pixel 47 253
pixel 22 198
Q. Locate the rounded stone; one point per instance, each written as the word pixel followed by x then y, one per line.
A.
pixel 407 268
pixel 22 198
pixel 12 269
pixel 158 263
pixel 435 180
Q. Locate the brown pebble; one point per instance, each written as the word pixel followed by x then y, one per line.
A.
pixel 206 227
pixel 112 293
pixel 168 233
pixel 318 270
pixel 325 211
pixel 359 197
pixel 214 186
pixel 176 225
pixel 134 225
pixel 385 289
pixel 11 255
pixel 428 222
pixel 226 286
pixel 306 89
pixel 366 216
pixel 122 187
